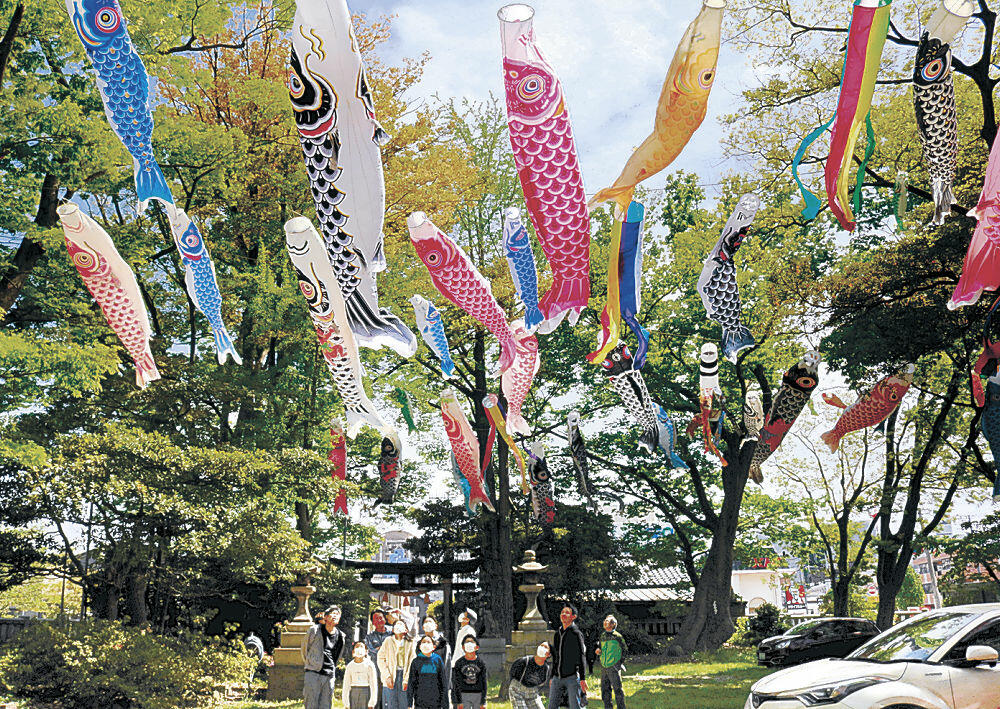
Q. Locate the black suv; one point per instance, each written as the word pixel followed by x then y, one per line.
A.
pixel 814 639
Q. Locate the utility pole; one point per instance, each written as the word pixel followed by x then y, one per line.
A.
pixel 934 579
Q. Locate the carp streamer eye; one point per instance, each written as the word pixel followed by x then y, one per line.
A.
pixel 107 19
pixel 706 78
pixel 933 70
pixel 307 290
pixel 84 260
pixel 192 239
pixel 530 88
pixel 295 85
pixel 434 258
pixel 806 382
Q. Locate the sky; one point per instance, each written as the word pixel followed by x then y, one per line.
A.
pixel 611 58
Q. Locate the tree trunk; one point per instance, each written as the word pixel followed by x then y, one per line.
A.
pixel 29 252
pixel 709 623
pixel 841 595
pixel 135 598
pixel 496 572
pixel 7 43
pixel 889 583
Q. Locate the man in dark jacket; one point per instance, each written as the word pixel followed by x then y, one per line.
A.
pixel 568 661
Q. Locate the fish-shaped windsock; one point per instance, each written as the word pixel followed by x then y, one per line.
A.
pixel 465 446
pixel 624 281
pixel 329 315
pixel 708 368
pixel 990 425
pixel 717 284
pixel 112 283
pixel 865 41
pixel 981 268
pixel 986 363
pixel 338 466
pixel 937 119
pixel 521 260
pixel 458 280
pixel 491 404
pixel 431 328
pixel 125 89
pixel 389 470
pixel 682 105
pixel 753 415
pixel 667 439
pixel 462 484
pixel 200 280
pixel 547 165
pixel 340 140
pixel 402 397
pixel 543 504
pixel 870 409
pixel 578 452
pixel 797 386
pixel 631 388
pixel 516 381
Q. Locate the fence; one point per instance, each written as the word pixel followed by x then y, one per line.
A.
pixel 9 627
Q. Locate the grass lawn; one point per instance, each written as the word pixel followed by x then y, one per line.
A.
pixel 718 680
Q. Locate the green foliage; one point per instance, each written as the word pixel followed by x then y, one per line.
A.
pixel 765 623
pixel 859 603
pixel 100 663
pixel 911 595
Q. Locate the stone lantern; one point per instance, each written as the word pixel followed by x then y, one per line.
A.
pixel 532 630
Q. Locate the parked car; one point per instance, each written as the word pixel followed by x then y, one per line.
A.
pixel 815 639
pixel 941 659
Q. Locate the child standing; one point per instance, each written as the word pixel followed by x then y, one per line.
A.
pixel 611 651
pixel 360 688
pixel 426 688
pixel 468 678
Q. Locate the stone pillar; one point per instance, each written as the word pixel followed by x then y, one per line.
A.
pixel 532 630
pixel 284 679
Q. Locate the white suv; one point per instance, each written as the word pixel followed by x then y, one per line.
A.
pixel 941 659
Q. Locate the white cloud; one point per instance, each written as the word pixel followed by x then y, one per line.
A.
pixel 611 58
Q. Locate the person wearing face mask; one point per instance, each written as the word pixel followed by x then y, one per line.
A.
pixel 467 627
pixel 441 648
pixel 426 688
pixel 394 658
pixel 528 675
pixel 569 668
pixel 360 688
pixel 468 677
pixel 321 648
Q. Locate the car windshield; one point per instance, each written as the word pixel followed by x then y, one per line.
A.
pixel 803 628
pixel 915 639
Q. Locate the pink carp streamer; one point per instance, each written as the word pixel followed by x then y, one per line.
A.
pixel 112 283
pixel 865 41
pixel 465 446
pixel 981 268
pixel 547 165
pixel 338 466
pixel 458 280
pixel 516 381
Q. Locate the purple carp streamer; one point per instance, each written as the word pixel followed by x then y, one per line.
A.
pixel 340 140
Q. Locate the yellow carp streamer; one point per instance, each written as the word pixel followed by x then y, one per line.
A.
pixel 492 406
pixel 681 109
pixel 611 316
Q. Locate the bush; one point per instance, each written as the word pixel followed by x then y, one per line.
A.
pixel 107 664
pixel 765 623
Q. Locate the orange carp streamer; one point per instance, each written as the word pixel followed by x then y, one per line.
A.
pixel 681 109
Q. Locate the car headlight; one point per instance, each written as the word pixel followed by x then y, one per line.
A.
pixel 830 693
pixel 783 644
